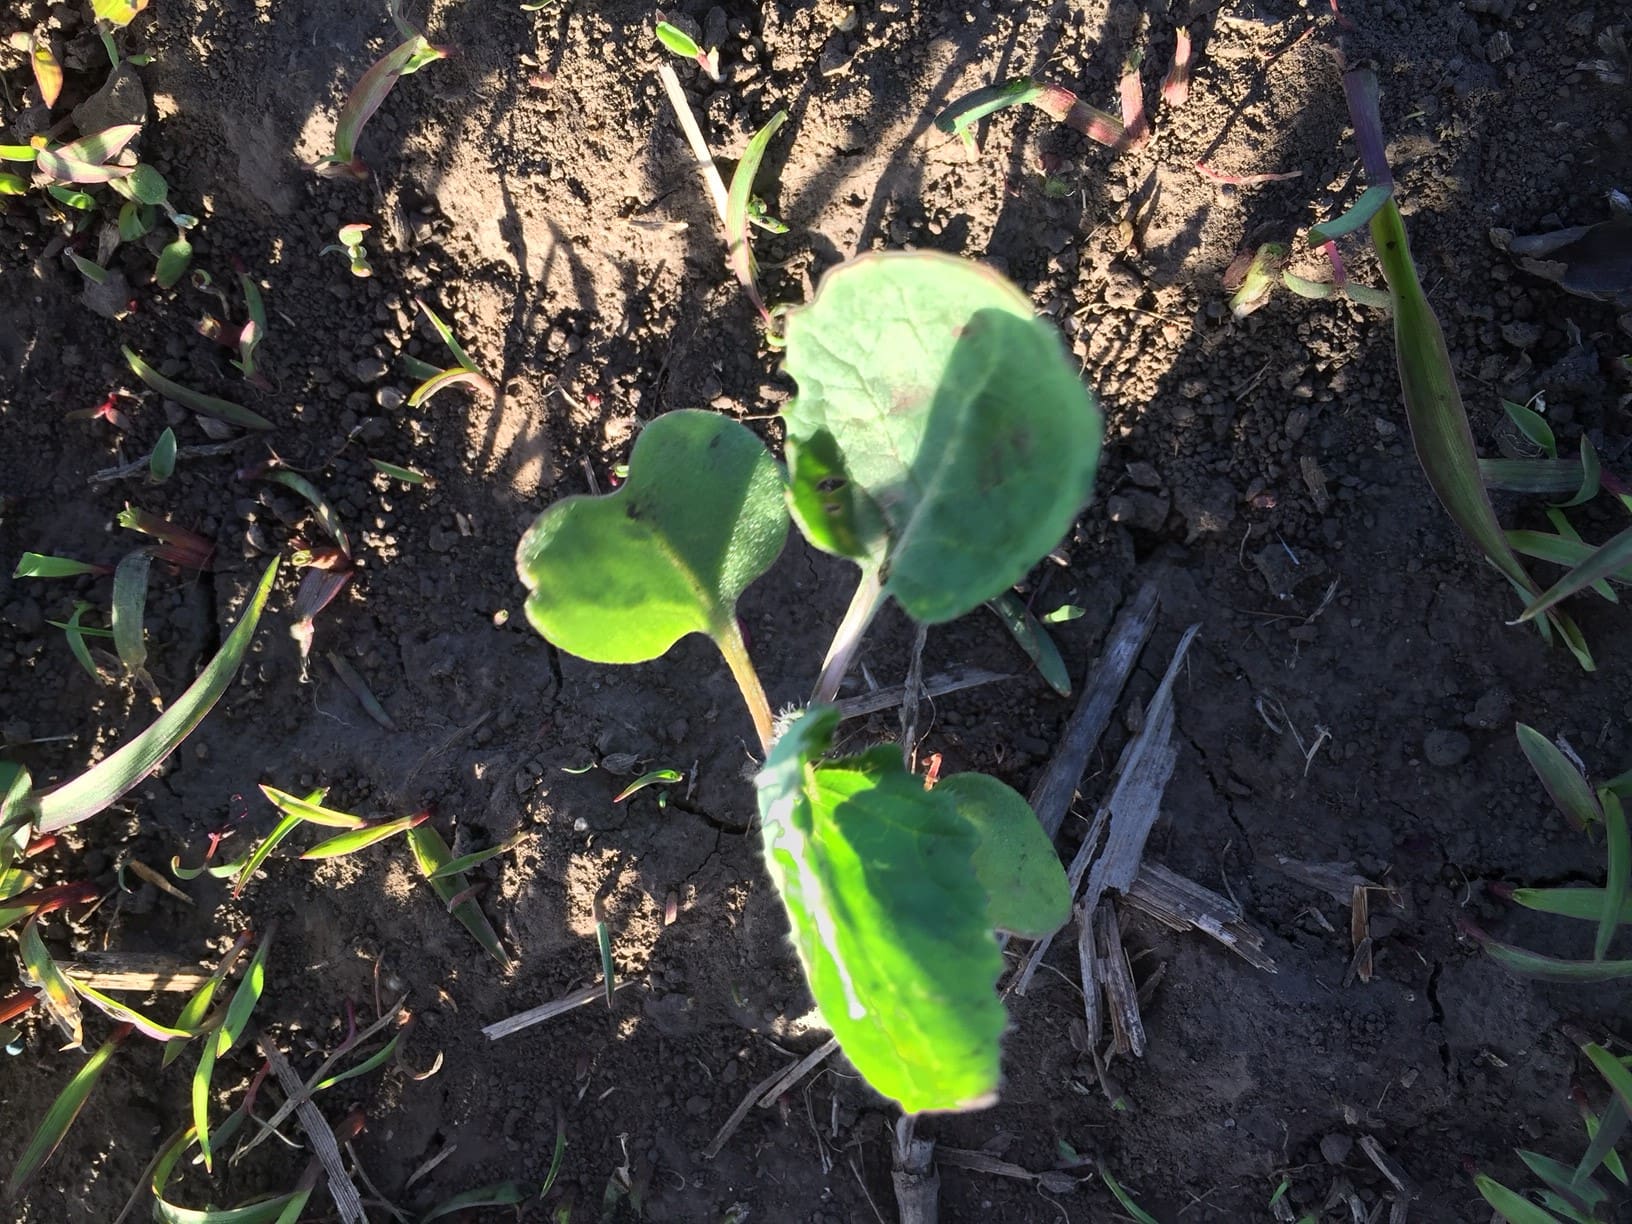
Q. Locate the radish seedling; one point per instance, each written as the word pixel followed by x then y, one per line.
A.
pixel 941 440
pixel 351 246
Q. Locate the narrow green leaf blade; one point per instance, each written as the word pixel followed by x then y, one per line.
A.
pixel 475 858
pixel 1605 562
pixel 62 1113
pixel 1619 851
pixel 244 999
pixel 311 810
pixel 1564 783
pixel 1032 638
pixel 38 565
pixel 57 992
pixel 445 333
pixel 161 464
pixel 1360 213
pixel 326 516
pixel 361 839
pixel 75 633
pixel 739 250
pixel 1525 963
pixel 1514 1208
pixel 173 263
pixel 677 40
pixel 621 578
pixel 1591 476
pixel 1586 904
pixel 653 778
pixel 114 776
pixel 431 852
pixel 1531 475
pixel 198 1003
pixel 204 405
pixel 889 920
pixel 955 410
pixel 502 1194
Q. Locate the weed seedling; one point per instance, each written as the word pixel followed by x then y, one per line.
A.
pixel 463 371
pixel 351 246
pixel 683 45
pixel 403 60
pixel 941 441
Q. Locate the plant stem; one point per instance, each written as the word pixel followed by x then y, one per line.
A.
pixel 864 605
pixel 735 651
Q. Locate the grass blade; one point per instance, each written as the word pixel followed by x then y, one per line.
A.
pixel 431 852
pixel 447 336
pixel 129 610
pixel 1614 1072
pixel 365 99
pixel 361 839
pixel 1564 783
pixel 75 633
pixel 677 40
pixel 1586 904
pixel 739 252
pixel 326 516
pixel 114 776
pixel 462 864
pixel 56 991
pixel 358 687
pixel 1122 1196
pixel 406 475
pixel 38 565
pixel 1514 1208
pixel 502 1194
pixel 1592 474
pixel 443 379
pixel 1433 402
pixel 198 1005
pixel 1531 475
pixel 202 1075
pixel 1028 631
pixel 62 1113
pixel 1604 562
pixel 1525 963
pixel 1605 1132
pixel 129 1015
pixel 252 864
pixel 244 999
pixel 648 779
pixel 309 809
pixel 204 405
pixel 1363 210
pixel 374 1060
pixel 1619 849
pixel 1533 426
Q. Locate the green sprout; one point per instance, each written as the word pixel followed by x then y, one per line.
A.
pixel 463 371
pixel 1608 908
pixel 942 442
pixel 683 45
pixel 1055 101
pixel 403 60
pixel 351 245
pixel 1433 402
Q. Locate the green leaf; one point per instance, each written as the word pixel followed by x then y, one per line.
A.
pixel 476 858
pixel 264 1211
pixel 739 251
pixel 310 809
pixel 432 854
pixel 1565 550
pixel 1514 1208
pixel 1033 639
pixel 115 775
pixel 621 578
pixel 1360 213
pixel 445 333
pixel 244 999
pixel 129 609
pixel 37 565
pixel 118 13
pixel 1605 1132
pixel 502 1194
pixel 13 185
pixel 1591 476
pixel 1560 1177
pixel 173 261
pixel 1564 783
pixel 1439 423
pixel 1258 282
pixel 330 521
pixel 362 838
pixel 406 475
pixel 1606 561
pixel 204 405
pixel 72 198
pixel 62 1113
pixel 1586 904
pixel 1123 1197
pixel 372 1062
pixel 443 379
pixel 648 779
pixel 1026 888
pixel 365 99
pixel 145 186
pixel 1063 613
pixel 677 40
pixel 57 993
pixel 1533 426
pixel 888 916
pixel 198 1004
pixel 1567 531
pixel 161 464
pixel 930 384
pixel 1619 850
pixel 1524 963
pixel 75 633
pixel 1531 476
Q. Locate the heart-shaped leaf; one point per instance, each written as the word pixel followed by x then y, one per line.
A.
pixel 1026 889
pixel 888 916
pixel 929 389
pixel 621 578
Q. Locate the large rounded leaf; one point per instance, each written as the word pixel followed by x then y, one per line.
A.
pixel 621 578
pixel 940 431
pixel 888 916
pixel 1025 884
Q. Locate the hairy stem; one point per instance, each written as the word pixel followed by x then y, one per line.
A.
pixel 735 651
pixel 864 605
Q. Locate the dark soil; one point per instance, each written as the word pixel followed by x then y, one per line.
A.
pixel 536 190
